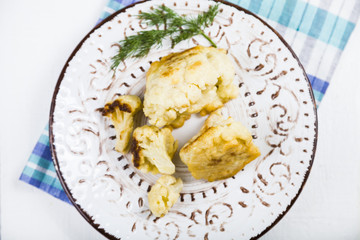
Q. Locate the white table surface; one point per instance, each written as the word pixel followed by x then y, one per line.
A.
pixel 37 37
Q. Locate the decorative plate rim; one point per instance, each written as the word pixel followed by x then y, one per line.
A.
pixel 83 213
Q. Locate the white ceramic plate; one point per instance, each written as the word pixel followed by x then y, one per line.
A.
pixel 275 103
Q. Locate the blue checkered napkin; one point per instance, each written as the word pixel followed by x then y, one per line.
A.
pixel 39 170
pixel 317 30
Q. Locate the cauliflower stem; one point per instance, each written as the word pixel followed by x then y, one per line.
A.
pixel 164 194
pixel 121 112
pixel 153 149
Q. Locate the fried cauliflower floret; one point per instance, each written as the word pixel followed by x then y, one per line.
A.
pixel 220 150
pixel 164 194
pixel 153 149
pixel 121 112
pixel 199 79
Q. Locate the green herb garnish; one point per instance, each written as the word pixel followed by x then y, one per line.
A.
pixel 175 26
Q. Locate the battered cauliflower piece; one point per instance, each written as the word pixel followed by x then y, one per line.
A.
pixel 153 149
pixel 121 112
pixel 220 150
pixel 199 79
pixel 164 194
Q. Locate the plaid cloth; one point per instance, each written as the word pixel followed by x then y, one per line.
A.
pixel 317 30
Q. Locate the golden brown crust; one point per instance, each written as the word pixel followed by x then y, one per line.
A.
pixel 220 150
pixel 111 107
pixel 135 150
pixel 199 79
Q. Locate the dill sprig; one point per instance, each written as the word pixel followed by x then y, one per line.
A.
pixel 173 25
